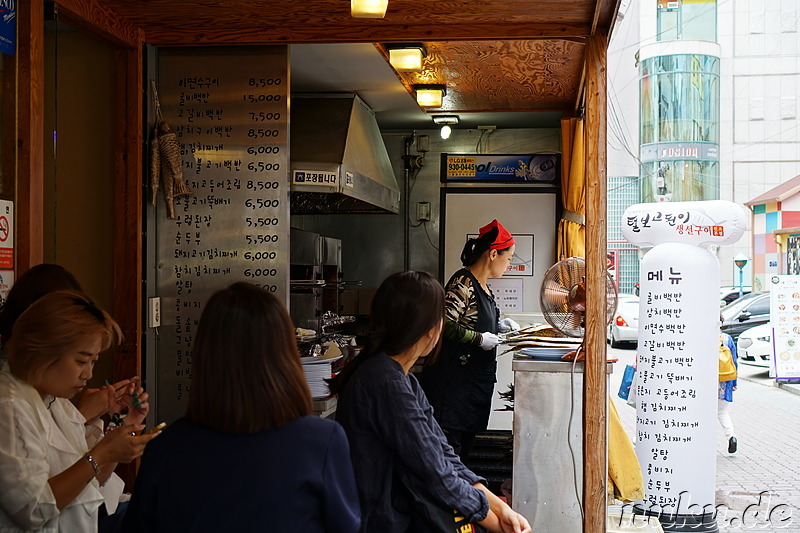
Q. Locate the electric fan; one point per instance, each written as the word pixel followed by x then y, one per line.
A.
pixel 562 297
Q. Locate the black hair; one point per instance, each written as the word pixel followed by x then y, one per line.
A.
pixel 476 247
pixel 33 284
pixel 406 306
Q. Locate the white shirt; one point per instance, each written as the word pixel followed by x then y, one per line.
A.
pixel 37 442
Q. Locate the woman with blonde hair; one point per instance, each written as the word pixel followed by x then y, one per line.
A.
pixel 50 471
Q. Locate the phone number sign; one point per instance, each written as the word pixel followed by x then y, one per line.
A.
pixel 460 167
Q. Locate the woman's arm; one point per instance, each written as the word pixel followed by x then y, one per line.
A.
pixel 119 446
pixel 403 424
pixel 501 517
pixel 459 306
pixel 457 333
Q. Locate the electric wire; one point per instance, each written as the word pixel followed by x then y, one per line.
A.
pixel 569 432
pixel 425 227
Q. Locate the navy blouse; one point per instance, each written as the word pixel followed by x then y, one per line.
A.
pixel 387 418
pixel 296 478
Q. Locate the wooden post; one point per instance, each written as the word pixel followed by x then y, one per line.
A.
pixel 128 240
pixel 30 136
pixel 595 395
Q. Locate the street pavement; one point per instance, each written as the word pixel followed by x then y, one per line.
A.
pixel 758 487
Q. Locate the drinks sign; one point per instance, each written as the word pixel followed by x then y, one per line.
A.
pixel 541 168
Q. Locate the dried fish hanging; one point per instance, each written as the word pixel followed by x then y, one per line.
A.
pixel 166 163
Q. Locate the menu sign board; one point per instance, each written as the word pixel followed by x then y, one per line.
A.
pixel 676 373
pixel 229 109
pixel 785 320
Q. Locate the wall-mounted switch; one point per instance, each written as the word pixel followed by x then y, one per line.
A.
pixel 154 312
pixel 423 211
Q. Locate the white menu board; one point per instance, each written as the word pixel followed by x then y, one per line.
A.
pixel 785 320
pixel 677 373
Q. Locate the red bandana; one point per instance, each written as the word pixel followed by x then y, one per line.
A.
pixel 503 240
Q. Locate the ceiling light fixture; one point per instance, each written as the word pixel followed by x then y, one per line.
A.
pixel 445 119
pixel 446 131
pixel 406 57
pixel 368 9
pixel 430 95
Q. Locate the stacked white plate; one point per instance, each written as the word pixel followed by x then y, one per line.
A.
pixel 545 354
pixel 316 370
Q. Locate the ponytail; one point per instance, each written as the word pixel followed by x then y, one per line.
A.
pixel 475 248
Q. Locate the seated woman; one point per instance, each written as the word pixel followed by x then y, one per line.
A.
pixel 50 473
pixel 248 456
pixel 399 451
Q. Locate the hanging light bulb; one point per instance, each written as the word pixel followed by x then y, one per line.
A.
pixel 446 131
pixel 368 9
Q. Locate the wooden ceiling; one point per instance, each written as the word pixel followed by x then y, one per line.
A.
pixel 493 55
pixel 519 75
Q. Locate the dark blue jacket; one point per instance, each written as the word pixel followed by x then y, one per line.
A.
pixel 389 422
pixel 297 478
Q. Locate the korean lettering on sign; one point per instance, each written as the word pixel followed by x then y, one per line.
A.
pixel 229 111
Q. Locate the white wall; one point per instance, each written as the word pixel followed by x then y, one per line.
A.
pixel 623 93
pixel 760 91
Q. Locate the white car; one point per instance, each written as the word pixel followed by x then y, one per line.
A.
pixel 625 323
pixel 730 293
pixel 754 346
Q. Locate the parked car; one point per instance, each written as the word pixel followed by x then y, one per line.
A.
pixel 730 293
pixel 625 324
pixel 748 311
pixel 754 346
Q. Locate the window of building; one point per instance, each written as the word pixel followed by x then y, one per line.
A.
pixel 694 20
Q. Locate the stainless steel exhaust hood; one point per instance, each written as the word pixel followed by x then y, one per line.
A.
pixel 339 162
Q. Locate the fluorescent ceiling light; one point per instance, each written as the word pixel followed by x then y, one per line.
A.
pixel 430 95
pixel 445 119
pixel 368 9
pixel 406 57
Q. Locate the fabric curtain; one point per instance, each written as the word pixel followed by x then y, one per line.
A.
pixel 625 481
pixel 571 239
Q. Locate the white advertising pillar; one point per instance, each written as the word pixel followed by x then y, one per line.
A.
pixel 677 367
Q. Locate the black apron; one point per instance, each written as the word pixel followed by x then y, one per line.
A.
pixel 460 384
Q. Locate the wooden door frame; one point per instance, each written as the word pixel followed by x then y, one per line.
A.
pixel 94 18
pixel 126 40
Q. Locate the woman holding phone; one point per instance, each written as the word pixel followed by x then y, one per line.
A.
pixel 51 466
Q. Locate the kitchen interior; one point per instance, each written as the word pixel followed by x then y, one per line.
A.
pixel 397 222
pixel 376 226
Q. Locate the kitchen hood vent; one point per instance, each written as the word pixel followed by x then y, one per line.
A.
pixel 339 162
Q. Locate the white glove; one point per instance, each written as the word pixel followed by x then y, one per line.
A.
pixel 489 340
pixel 506 325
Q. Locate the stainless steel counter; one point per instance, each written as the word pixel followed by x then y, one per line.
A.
pixel 548 418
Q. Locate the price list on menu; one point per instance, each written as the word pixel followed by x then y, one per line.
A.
pixel 229 110
pixel 785 320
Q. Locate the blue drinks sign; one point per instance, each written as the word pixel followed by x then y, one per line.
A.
pixel 540 168
pixel 8 26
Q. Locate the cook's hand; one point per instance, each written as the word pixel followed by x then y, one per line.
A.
pixel 122 445
pixel 136 401
pixel 513 522
pixel 97 402
pixel 507 325
pixel 489 340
